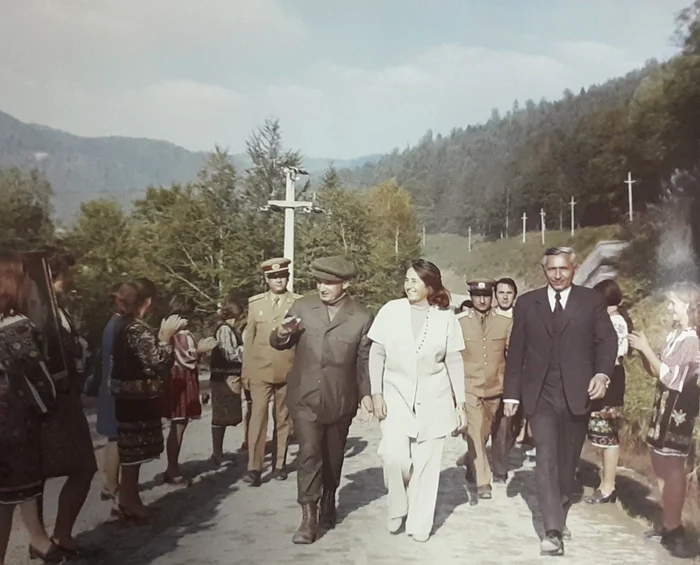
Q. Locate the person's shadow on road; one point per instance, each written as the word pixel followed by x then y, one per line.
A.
pixel 363 488
pixel 452 493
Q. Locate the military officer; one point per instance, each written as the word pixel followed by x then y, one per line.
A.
pixel 264 371
pixel 486 336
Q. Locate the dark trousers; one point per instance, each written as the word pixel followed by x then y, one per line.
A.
pixel 559 437
pixel 503 434
pixel 320 458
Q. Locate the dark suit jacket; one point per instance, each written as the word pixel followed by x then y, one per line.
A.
pixel 331 364
pixel 588 345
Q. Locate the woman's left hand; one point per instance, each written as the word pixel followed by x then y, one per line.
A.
pixel 638 341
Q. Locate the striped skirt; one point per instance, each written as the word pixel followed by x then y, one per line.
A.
pixel 139 429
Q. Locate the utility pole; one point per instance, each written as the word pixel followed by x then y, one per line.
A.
pixel 470 239
pixel 542 216
pixel 629 182
pixel 290 205
pixel 423 235
pixel 524 218
pixel 572 204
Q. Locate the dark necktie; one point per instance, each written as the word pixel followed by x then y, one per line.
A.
pixel 558 313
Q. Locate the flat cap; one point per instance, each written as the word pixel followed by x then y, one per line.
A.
pixel 276 266
pixel 481 287
pixel 333 269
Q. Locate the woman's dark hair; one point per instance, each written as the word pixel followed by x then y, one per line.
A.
pixel 113 295
pixel 182 305
pixel 466 304
pixel 59 261
pixel 611 291
pixel 231 309
pixel 613 297
pixel 430 274
pixel 12 283
pixel 132 295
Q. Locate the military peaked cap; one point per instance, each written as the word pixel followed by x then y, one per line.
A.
pixel 481 287
pixel 333 269
pixel 276 266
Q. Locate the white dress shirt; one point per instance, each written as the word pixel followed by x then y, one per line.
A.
pixel 564 294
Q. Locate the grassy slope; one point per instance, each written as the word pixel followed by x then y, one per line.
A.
pixel 506 257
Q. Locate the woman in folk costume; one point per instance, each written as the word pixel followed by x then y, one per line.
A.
pixel 675 408
pixel 416 374
pixel 67 449
pixel 27 394
pixel 141 363
pixel 604 422
pixel 182 389
pixel 225 380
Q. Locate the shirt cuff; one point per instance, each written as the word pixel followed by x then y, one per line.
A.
pixel 511 401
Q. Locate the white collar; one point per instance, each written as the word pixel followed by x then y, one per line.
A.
pixel 563 294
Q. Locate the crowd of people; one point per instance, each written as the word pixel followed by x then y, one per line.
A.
pixel 548 364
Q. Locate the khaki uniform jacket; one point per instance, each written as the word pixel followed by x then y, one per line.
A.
pixel 484 354
pixel 331 367
pixel 262 363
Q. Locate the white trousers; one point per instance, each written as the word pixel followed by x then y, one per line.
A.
pixel 411 475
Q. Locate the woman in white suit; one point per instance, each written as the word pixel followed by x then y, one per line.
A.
pixel 417 375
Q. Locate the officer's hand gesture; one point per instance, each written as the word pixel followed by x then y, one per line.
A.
pixel 289 326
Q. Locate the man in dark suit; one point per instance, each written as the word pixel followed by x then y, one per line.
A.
pixel 328 379
pixel 562 352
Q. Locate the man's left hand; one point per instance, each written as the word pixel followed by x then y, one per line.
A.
pixel 598 386
pixel 368 408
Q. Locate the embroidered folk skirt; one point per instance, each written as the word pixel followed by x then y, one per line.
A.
pixel 66 443
pixel 226 405
pixel 603 427
pixel 20 449
pixel 139 429
pixel 181 395
pixel 673 419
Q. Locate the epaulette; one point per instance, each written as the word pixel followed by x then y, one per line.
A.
pixel 468 314
pixel 297 296
pixel 256 297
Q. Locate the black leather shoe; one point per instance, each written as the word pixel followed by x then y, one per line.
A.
pixel 599 498
pixel 279 474
pixel 500 479
pixel 552 544
pixel 253 478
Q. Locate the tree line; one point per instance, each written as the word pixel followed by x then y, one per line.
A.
pixel 541 154
pixel 207 238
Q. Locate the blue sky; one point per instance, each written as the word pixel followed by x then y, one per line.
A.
pixel 345 78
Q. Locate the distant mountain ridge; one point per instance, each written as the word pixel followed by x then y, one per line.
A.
pixel 83 168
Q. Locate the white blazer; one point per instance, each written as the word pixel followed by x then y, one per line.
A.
pixel 417 388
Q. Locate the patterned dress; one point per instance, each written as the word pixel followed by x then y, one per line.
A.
pixel 66 442
pixel 27 393
pixel 181 398
pixel 140 367
pixel 226 364
pixel 677 397
pixel 604 423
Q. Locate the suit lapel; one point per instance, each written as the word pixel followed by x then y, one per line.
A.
pixel 544 309
pixel 319 311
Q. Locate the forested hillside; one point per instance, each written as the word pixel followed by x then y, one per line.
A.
pixel 541 154
pixel 84 168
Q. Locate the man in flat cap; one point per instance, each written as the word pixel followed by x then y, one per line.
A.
pixel 329 377
pixel 265 370
pixel 486 336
